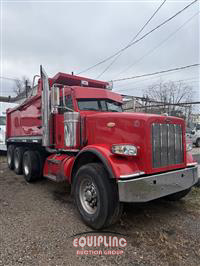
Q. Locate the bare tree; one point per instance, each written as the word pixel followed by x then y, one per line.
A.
pixel 20 85
pixel 171 93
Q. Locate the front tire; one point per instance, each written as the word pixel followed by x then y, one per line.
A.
pixel 96 196
pixel 178 195
pixel 31 166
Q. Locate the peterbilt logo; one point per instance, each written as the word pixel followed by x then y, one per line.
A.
pixel 167 120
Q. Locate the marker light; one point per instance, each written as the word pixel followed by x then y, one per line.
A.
pixel 84 83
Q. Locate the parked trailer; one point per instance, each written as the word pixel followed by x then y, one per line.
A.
pixel 3 107
pixel 74 130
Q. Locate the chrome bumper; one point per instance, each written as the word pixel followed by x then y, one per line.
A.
pixel 156 186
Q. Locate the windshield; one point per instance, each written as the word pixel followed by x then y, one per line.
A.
pixel 2 120
pixel 103 105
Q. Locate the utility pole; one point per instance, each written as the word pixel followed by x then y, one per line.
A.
pixel 26 87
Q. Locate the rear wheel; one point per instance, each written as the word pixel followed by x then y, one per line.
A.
pixel 18 158
pixel 10 156
pixel 41 160
pixel 96 196
pixel 178 195
pixel 31 166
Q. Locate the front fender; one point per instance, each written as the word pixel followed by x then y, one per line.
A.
pixel 117 166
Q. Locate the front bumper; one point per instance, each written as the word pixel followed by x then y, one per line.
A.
pixel 156 186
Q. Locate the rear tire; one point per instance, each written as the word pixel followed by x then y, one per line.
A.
pixel 96 196
pixel 18 158
pixel 41 160
pixel 178 195
pixel 10 156
pixel 31 166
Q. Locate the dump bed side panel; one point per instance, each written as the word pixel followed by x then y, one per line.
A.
pixel 25 120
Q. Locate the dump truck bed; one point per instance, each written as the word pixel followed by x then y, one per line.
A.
pixel 25 120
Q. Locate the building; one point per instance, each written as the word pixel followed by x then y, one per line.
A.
pixel 131 105
pixel 195 118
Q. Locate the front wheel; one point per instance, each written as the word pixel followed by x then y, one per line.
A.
pixel 96 196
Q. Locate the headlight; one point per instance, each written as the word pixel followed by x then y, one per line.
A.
pixel 188 146
pixel 128 150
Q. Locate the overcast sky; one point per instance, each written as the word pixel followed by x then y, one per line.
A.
pixel 68 36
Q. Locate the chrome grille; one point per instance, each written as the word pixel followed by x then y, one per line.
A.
pixel 167 144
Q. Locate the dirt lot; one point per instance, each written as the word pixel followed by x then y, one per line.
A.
pixel 36 221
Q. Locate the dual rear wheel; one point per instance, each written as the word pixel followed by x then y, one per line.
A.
pixel 23 161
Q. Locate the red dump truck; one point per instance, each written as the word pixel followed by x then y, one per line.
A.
pixel 74 129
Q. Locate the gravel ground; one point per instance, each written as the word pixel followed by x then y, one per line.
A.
pixel 37 220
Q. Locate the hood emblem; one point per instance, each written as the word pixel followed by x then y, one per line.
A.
pixel 167 120
pixel 111 124
pixel 136 123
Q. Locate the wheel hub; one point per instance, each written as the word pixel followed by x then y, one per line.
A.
pixel 9 158
pixel 16 163
pixel 88 196
pixel 26 168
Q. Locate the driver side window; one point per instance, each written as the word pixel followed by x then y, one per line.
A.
pixel 68 102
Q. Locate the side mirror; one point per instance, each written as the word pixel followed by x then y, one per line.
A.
pixel 55 98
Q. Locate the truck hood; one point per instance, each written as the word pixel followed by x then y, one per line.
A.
pixel 124 127
pixel 130 128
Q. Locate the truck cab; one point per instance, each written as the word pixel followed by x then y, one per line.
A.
pixel 74 130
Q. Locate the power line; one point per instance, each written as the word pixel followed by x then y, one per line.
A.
pixel 160 80
pixel 196 79
pixel 146 86
pixel 152 50
pixel 194 88
pixel 155 73
pixel 146 99
pixel 133 39
pixel 141 38
pixel 167 104
pixel 10 78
